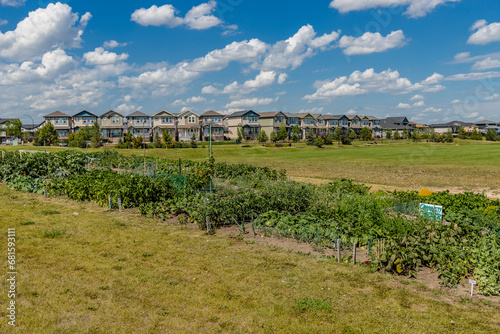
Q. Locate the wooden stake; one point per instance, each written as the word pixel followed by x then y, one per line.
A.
pixel 338 250
pixel 45 191
pixel 208 224
pixel 120 204
pixel 354 253
pixel 109 201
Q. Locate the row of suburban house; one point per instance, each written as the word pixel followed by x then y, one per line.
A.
pixel 182 126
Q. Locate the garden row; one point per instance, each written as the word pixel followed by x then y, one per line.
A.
pixel 466 243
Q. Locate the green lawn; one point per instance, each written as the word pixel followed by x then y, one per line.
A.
pixel 82 269
pixel 463 164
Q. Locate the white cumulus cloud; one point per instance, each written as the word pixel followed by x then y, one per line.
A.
pixel 113 44
pixel 292 52
pixel 369 81
pixel 12 3
pixel 416 97
pixel 403 106
pixel 43 30
pixel 252 102
pixel 199 17
pixel 102 57
pixel 486 64
pixel 485 34
pixel 416 8
pixel 372 42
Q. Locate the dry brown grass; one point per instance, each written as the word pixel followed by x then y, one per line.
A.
pixel 120 273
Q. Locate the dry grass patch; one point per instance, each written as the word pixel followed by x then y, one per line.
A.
pixel 120 273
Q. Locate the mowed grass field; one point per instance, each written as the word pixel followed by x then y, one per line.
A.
pixel 83 269
pixel 463 165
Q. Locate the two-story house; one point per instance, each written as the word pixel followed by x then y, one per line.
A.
pixel 139 124
pixel 165 121
pixel 248 119
pixel 82 119
pixel 61 122
pixel 321 124
pixel 212 122
pixel 187 125
pixel 306 123
pixel 112 126
pixel 374 125
pixel 271 121
pixel 332 122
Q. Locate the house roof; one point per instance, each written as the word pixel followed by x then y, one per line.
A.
pixel 303 115
pixel 394 123
pixel 372 118
pixel 333 116
pixel 270 114
pixel 290 115
pixel 106 114
pixel 241 113
pixel 5 120
pixel 164 112
pixel 486 122
pixel 211 113
pixel 56 114
pixel 186 112
pixel 138 114
pixel 451 124
pixel 31 126
pixel 84 111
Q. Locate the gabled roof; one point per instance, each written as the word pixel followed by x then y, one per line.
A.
pixel 351 117
pixel 396 120
pixel 241 113
pixel 451 124
pixel 304 115
pixel 486 122
pixel 290 115
pixel 84 112
pixel 332 116
pixel 57 114
pixel 111 112
pixel 187 112
pixel 211 113
pixel 316 116
pixel 270 114
pixel 372 118
pixel 138 114
pixel 164 112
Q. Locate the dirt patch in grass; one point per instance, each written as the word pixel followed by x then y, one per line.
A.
pixel 426 276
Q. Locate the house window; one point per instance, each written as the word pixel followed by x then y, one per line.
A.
pixel 253 119
pixel 115 120
pixel 61 120
pixel 191 119
pixel 76 118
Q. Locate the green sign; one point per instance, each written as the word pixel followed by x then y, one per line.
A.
pixel 431 211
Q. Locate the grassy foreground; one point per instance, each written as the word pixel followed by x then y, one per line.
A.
pixel 82 269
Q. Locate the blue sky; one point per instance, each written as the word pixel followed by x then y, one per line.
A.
pixel 430 60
